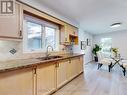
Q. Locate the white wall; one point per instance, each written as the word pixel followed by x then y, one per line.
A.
pixel 119 40
pixel 5 46
pixel 83 37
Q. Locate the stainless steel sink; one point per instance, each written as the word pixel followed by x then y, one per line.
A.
pixel 49 58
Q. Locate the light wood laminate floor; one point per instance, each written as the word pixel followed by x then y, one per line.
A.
pixel 96 82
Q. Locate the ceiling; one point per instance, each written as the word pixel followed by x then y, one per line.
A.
pixel 94 16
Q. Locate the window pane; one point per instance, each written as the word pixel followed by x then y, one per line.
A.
pixel 106 44
pixel 34 36
pixel 50 36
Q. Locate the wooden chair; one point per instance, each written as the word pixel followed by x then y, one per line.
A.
pixel 104 61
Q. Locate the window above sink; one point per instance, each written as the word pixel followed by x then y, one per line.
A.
pixel 38 34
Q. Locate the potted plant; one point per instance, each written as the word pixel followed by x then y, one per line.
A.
pixel 115 52
pixel 95 50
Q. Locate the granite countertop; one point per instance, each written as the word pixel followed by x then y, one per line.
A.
pixel 24 63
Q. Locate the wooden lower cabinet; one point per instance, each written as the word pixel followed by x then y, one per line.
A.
pixel 75 67
pixel 18 82
pixel 62 73
pixel 69 70
pixel 51 76
pixel 46 78
pixel 42 79
pixel 80 64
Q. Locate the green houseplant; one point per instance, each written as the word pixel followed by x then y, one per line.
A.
pixel 95 50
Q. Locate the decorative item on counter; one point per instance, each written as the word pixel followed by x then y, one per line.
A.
pixel 96 49
pixel 83 45
pixel 115 52
pixel 13 51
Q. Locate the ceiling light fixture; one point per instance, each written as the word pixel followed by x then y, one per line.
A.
pixel 115 25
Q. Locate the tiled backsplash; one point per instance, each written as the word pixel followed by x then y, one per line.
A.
pixel 6 46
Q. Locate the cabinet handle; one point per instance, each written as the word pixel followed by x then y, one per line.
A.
pixel 56 65
pixel 20 33
pixel 35 71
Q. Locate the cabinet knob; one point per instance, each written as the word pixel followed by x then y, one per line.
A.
pixel 20 33
pixel 56 65
pixel 35 71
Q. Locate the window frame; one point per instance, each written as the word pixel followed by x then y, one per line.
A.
pixel 43 23
pixel 106 53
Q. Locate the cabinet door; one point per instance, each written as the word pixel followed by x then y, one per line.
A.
pixel 46 78
pixel 10 24
pixel 61 73
pixel 70 70
pixel 64 36
pixel 81 66
pixel 18 82
pixel 75 31
pixel 75 65
pixel 69 29
pixel 72 30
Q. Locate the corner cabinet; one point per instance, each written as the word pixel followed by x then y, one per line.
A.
pixel 46 78
pixel 17 82
pixel 68 34
pixel 11 25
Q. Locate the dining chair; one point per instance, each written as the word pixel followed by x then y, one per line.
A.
pixel 104 61
pixel 123 64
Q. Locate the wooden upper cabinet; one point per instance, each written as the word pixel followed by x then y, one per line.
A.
pixel 10 25
pixel 75 31
pixel 18 82
pixel 64 34
pixel 68 34
pixel 72 30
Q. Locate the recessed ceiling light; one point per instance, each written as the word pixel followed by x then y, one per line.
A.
pixel 114 25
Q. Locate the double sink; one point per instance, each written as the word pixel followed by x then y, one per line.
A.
pixel 49 58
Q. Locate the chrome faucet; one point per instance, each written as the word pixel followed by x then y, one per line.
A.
pixel 47 50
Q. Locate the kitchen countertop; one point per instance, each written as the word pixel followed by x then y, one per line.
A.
pixel 24 63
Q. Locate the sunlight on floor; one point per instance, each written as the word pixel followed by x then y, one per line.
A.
pixel 97 82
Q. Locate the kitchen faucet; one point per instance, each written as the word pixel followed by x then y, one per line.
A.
pixel 47 50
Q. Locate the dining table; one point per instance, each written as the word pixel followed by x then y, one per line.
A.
pixel 116 60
